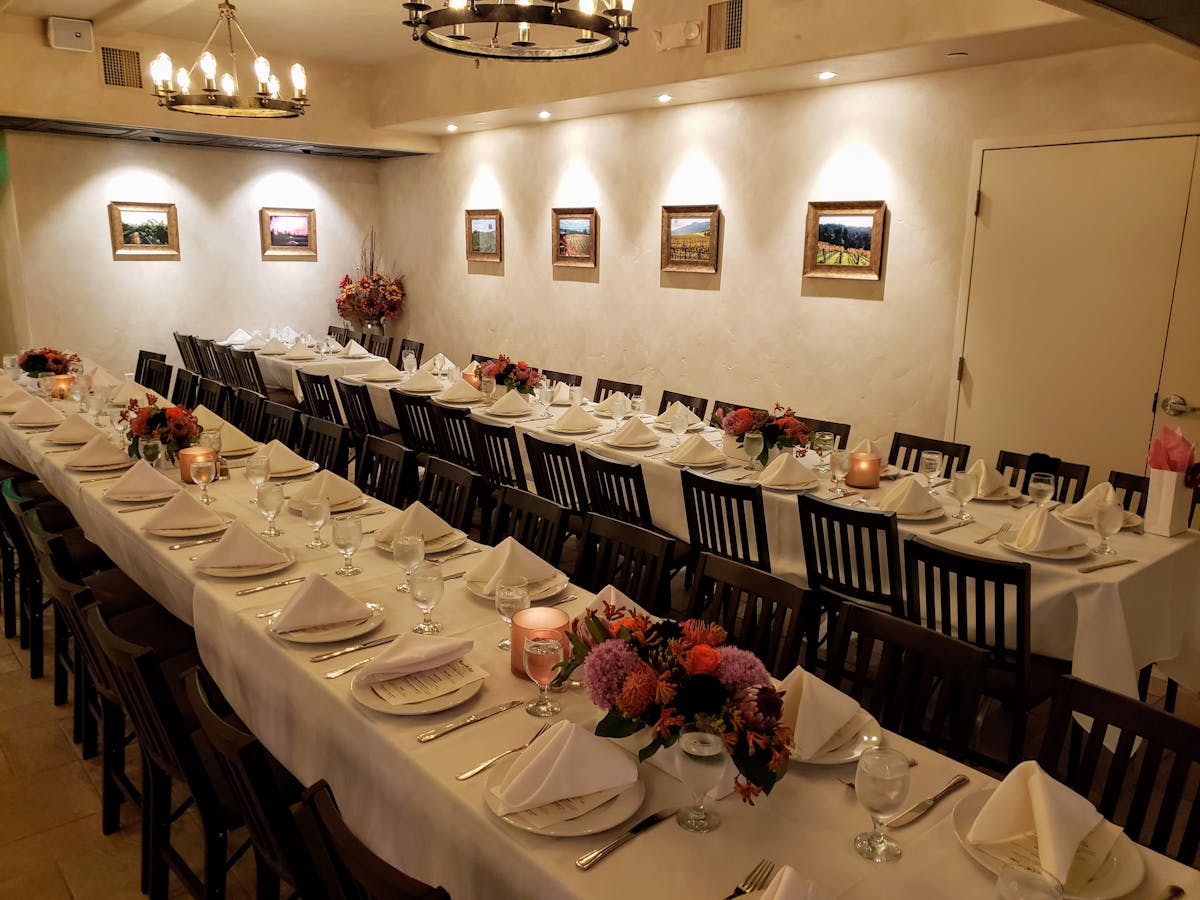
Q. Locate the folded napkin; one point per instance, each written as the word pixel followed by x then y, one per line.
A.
pixel 233 439
pixel 239 336
pixel 7 385
pixel 422 381
pixel 610 597
pixel 513 403
pixel 561 395
pixel 383 369
pixel 334 488
pixel 673 411
pixel 460 392
pixel 283 461
pixel 288 334
pixel 411 653
pixel 991 482
pixel 1171 451
pixel 788 884
pixel 183 511
pixel 1028 801
pixel 241 548
pixel 816 712
pixel 605 405
pixel 274 347
pixel 74 430
pixel 566 761
pixel 130 390
pixel 909 497
pixel 209 420
pixel 318 601
pixel 510 559
pixel 786 471
pixel 869 445
pixel 11 401
pixel 353 350
pixel 1044 533
pixel 634 433
pixel 695 451
pixel 103 380
pixel 438 364
pixel 299 351
pixel 142 482
pixel 255 343
pixel 97 452
pixel 576 420
pixel 36 411
pixel 1102 494
pixel 417 519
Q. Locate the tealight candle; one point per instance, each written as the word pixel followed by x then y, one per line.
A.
pixel 535 619
pixel 62 386
pixel 864 470
pixel 191 455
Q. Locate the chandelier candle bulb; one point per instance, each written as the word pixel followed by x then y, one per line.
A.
pixel 160 71
pixel 526 622
pixel 864 470
pixel 183 80
pixel 299 80
pixel 208 65
pixel 273 86
pixel 262 71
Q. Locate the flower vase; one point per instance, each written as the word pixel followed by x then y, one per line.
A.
pixel 732 448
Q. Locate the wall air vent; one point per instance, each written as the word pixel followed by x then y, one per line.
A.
pixel 122 68
pixel 725 26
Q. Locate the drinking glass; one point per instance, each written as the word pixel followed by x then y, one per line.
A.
pixel 679 424
pixel 1021 883
pixel 964 487
pixel 1041 488
pixel 543 653
pixel 96 402
pixel 545 393
pixel 575 393
pixel 752 443
pixel 258 471
pixel 77 394
pixel 427 586
pixel 45 385
pixel 316 514
pixel 702 760
pixel 619 407
pixel 881 784
pixel 637 404
pixel 212 440
pixel 839 468
pixel 822 444
pixel 1108 520
pixel 410 362
pixel 487 385
pixel 270 503
pixel 512 596
pixel 11 365
pixel 203 474
pixel 151 450
pixel 930 465
pixel 347 537
pixel 408 551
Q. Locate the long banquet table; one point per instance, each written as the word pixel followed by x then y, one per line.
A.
pixel 401 796
pixel 280 372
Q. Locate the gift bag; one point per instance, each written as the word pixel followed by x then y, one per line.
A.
pixel 1168 503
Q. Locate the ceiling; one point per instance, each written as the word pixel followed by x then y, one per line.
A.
pixel 1179 17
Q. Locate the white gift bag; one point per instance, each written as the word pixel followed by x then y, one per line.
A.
pixel 1168 503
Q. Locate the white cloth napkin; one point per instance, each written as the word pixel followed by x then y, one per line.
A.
pixel 240 336
pixel 209 420
pixel 439 363
pixel 411 653
pixel 786 471
pixel 299 351
pixel 1044 533
pixel 677 409
pixel 510 559
pixel 909 497
pixel 130 390
pixel 460 392
pixel 353 350
pixel 611 596
pixel 234 440
pixel 7 385
pixel 816 711
pixel 255 343
pixel 283 461
pixel 288 334
pixel 634 433
pixel 423 382
pixel 184 511
pixel 695 451
pixel 1083 511
pixel 561 395
pixel 36 411
pixel 575 420
pixel 241 548
pixel 417 519
pixel 99 451
pixel 103 380
pixel 605 405
pixel 513 403
pixel 318 601
pixel 141 482
pixel 1028 801
pixel 566 761
pixel 383 369
pixel 991 482
pixel 334 488
pixel 12 401
pixel 869 445
pixel 274 347
pixel 788 884
pixel 75 429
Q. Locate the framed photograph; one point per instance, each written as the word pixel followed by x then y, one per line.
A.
pixel 844 240
pixel 288 234
pixel 574 237
pixel 690 238
pixel 144 231
pixel 485 235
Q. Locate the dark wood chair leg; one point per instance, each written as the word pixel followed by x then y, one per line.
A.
pixel 112 723
pixel 216 859
pixel 37 638
pixel 1171 696
pixel 266 882
pixel 62 646
pixel 8 560
pixel 156 811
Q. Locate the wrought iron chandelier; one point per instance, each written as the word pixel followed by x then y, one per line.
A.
pixel 537 30
pixel 224 97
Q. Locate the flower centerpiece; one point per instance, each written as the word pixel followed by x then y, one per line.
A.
pixel 174 426
pixel 780 430
pixel 373 297
pixel 46 360
pixel 518 376
pixel 662 675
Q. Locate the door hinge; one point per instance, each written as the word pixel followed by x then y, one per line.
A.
pixel 978 201
pixel 962 362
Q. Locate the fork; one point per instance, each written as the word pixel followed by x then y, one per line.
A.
pixel 338 673
pixel 1000 534
pixel 488 763
pixel 755 880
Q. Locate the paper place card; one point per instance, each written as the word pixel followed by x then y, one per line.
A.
pixel 562 810
pixel 1087 861
pixel 429 684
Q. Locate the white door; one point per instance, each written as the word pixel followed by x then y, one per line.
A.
pixel 1076 255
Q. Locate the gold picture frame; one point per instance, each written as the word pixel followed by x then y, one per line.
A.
pixel 144 231
pixel 574 237
pixel 288 235
pixel 834 236
pixel 485 235
pixel 690 238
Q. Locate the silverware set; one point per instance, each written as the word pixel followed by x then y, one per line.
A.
pixel 435 733
pixel 756 879
pixel 1105 564
pixel 186 544
pixel 592 857
pixel 353 648
pixel 266 587
pixel 491 761
pixel 338 673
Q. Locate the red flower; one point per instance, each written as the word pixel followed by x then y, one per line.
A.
pixel 738 422
pixel 638 691
pixel 702 660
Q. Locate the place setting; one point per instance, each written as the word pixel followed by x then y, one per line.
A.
pixel 511 567
pixel 71 433
pixel 419 675
pixel 285 463
pixel 634 434
pixel 183 516
pixel 35 414
pixel 320 612
pixel 459 394
pixel 242 554
pixel 340 495
pixel 422 383
pixel 100 455
pixel 573 422
pixel 417 521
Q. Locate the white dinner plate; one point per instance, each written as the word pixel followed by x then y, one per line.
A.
pixel 163 494
pixel 457 404
pixel 1076 551
pixel 270 352
pixel 507 415
pixel 928 516
pixel 244 451
pixel 35 426
pixel 68 443
pixel 679 465
pixel 368 698
pixel 790 488
pixel 344 506
pixel 849 742
pixel 325 635
pixel 428 392
pixel 1009 493
pixel 195 531
pixel 380 379
pixel 1132 519
pixel 547 589
pixel 111 467
pixel 247 571
pixel 296 473
pixel 1119 874
pixel 620 808
pixel 698 426
pixel 645 445
pixel 448 541
pixel 570 432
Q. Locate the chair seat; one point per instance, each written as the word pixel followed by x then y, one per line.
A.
pixel 87 556
pixel 53 516
pixel 283 396
pixel 117 593
pixel 1044 673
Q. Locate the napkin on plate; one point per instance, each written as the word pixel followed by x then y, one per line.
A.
pixel 561 395
pixel 677 409
pixel 11 401
pixel 695 451
pixel 566 761
pixel 1101 494
pixel 411 653
pixel 422 382
pixel 785 471
pixel 816 711
pixel 605 405
pixel 284 461
pixel 439 363
pixel 7 385
pixel 383 369
pixel 183 511
pixel 103 380
pixel 634 433
pixel 209 420
pixel 234 440
pixel 909 497
pixel 318 601
pixel 510 559
pixel 74 430
pixel 575 420
pixel 240 336
pixel 274 347
pixel 36 411
pixel 460 392
pixel 97 452
pixel 609 596
pixel 255 343
pixel 299 351
pixel 417 519
pixel 788 884
pixel 869 445
pixel 991 482
pixel 241 548
pixel 353 350
pixel 143 482
pixel 1044 533
pixel 334 488
pixel 1028 801
pixel 130 390
pixel 513 403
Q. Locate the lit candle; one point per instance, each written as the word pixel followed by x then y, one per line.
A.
pixel 62 386
pixel 864 470
pixel 188 456
pixel 535 619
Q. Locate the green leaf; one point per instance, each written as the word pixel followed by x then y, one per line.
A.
pixel 649 750
pixel 617 725
pixel 598 631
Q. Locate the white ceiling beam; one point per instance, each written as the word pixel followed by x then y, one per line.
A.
pixel 1137 29
pixel 136 15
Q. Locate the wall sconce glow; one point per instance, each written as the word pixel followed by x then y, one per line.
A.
pixel 544 114
pixel 695 180
pixel 665 98
pixel 827 75
pixel 854 170
pixel 452 128
pixel 485 192
pixel 578 185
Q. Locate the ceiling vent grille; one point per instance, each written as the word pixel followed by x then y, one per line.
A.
pixel 122 68
pixel 725 26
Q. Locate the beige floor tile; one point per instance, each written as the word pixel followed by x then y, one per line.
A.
pixel 53 845
pixel 108 872
pixel 44 884
pixel 10 663
pixel 36 748
pixel 44 800
pixel 18 689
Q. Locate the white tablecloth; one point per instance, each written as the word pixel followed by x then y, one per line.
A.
pixel 278 372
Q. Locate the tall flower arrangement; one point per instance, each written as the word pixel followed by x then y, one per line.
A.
pixel 519 375
pixel 43 360
pixel 373 296
pixel 175 426
pixel 780 429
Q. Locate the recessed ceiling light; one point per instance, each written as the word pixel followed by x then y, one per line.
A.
pixel 825 76
pixel 544 114
pixel 664 98
pixel 452 127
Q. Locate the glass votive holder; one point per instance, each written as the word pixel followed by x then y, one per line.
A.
pixel 535 619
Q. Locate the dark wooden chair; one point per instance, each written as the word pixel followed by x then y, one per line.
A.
pixel 725 518
pixel 140 373
pixel 537 523
pixel 339 333
pixel 183 393
pixel 207 359
pixel 722 408
pixel 450 491
pixel 325 443
pixel 415 422
pixel 1132 490
pixel 616 489
pixel 557 473
pixel 1145 792
pixel 214 396
pixel 498 454
pixel 249 375
pixel 480 358
pixel 417 348
pixel 452 436
pixel 230 374
pixel 386 471
pixel 840 431
pixel 30 602
pixel 360 413
pixel 279 423
pixel 380 345
pixel 770 617
pixel 606 386
pixel 698 405
pixel 247 412
pixel 157 375
pixel 1070 479
pixel 914 681
pixel 352 871
pixel 634 560
pixel 318 397
pixel 907 448
pixel 187 352
pixel 568 378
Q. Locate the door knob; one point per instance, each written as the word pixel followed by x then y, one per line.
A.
pixel 1174 405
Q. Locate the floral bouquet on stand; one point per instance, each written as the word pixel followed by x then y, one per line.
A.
pixel 519 375
pixel 374 296
pixel 173 426
pixel 46 360
pixel 780 430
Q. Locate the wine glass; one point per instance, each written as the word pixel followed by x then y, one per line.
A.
pixel 881 784
pixel 96 402
pixel 258 471
pixel 427 585
pixel 679 424
pixel 347 537
pixel 619 407
pixel 1041 488
pixel 637 404
pixel 930 465
pixel 77 394
pixel 151 450
pixel 543 653
pixel 964 487
pixel 410 362
pixel 702 760
pixel 408 551
pixel 203 472
pixel 1016 882
pixel 270 503
pixel 839 468
pixel 752 444
pixel 316 514
pixel 545 393
pixel 1108 520
pixel 823 444
pixel 512 596
pixel 575 393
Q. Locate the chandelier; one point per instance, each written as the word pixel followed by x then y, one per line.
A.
pixel 224 97
pixel 539 30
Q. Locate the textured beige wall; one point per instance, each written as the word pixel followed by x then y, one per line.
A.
pixel 877 355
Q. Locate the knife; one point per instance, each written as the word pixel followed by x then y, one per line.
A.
pixel 212 540
pixel 942 529
pixel 913 813
pixel 376 642
pixel 592 857
pixel 1107 564
pixel 459 555
pixel 267 587
pixel 133 509
pixel 427 736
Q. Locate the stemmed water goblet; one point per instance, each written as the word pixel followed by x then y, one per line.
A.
pixel 347 537
pixel 545 394
pixel 637 405
pixel 512 596
pixel 1108 520
pixel 543 652
pixel 77 394
pixel 316 514
pixel 619 407
pixel 929 466
pixel 203 472
pixel 702 761
pixel 96 402
pixel 427 585
pixel 964 487
pixel 258 472
pixel 752 444
pixel 270 503
pixel 839 468
pixel 408 552
pixel 1041 488
pixel 679 424
pixel 881 785
pixel 410 362
pixel 822 444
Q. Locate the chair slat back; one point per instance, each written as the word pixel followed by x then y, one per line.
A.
pixel 139 370
pixel 214 395
pixel 698 405
pixel 207 358
pixel 249 371
pixel 184 343
pixel 326 443
pixel 1131 489
pixel 606 386
pixel 183 392
pixel 907 448
pixel 452 436
pixel 319 399
pixel 417 348
pixel 157 377
pixel 840 431
pixel 359 409
pixel 537 523
pixel 386 471
pixel 570 378
pixel 247 411
pixel 498 454
pixel 851 554
pixel 634 560
pixel 415 422
pixel 1070 479
pixel 616 489
pixel 380 345
pixel 280 423
pixel 339 333
pixel 450 491
pixel 726 518
pixel 230 375
pixel 556 472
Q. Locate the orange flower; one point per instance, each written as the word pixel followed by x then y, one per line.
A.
pixel 702 660
pixel 667 720
pixel 638 691
pixel 697 632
